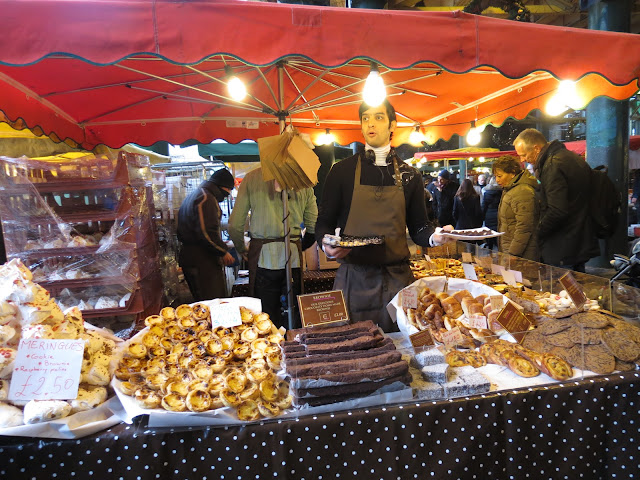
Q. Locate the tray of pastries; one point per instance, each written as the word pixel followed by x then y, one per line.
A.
pixel 349 241
pixel 472 234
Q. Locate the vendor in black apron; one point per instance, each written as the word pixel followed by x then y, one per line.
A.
pixel 374 193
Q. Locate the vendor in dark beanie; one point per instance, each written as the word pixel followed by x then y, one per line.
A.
pixel 443 196
pixel 203 253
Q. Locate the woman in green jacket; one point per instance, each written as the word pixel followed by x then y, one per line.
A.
pixel 519 210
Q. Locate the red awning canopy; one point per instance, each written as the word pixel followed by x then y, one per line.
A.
pixel 121 71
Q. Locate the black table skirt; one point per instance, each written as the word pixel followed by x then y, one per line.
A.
pixel 587 429
pixel 314 281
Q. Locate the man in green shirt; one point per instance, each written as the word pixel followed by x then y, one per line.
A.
pixel 265 255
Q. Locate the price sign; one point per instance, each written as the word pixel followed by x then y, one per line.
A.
pixel 477 321
pixel 225 315
pixel 409 298
pixel 484 262
pixel 467 257
pixel 574 289
pixel 497 269
pixel 427 258
pixel 452 337
pixel 514 321
pixel 46 370
pixel 517 275
pixel 469 271
pixel 322 308
pixel 509 278
pixel 421 339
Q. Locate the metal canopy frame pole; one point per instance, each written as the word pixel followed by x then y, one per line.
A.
pixel 285 208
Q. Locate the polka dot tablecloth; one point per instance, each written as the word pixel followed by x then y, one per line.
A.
pixel 586 429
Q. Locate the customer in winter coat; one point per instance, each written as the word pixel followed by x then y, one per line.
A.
pixel 443 197
pixel 566 235
pixel 466 207
pixel 519 211
pixel 491 195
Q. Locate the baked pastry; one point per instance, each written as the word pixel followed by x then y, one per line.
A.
pixel 200 311
pixel 10 416
pixel 174 403
pixel 168 314
pixel 268 409
pixel 198 400
pixel 38 411
pixel 554 366
pixel 451 307
pixel 88 397
pixel 250 392
pixel 247 411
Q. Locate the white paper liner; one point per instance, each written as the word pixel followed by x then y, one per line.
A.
pixel 79 424
pixel 437 284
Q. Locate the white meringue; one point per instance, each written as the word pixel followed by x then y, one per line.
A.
pixel 10 416
pixel 88 397
pixel 4 389
pixel 7 357
pixel 37 411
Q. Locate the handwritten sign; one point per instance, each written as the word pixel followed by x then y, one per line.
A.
pixel 514 321
pixel 467 257
pixel 322 308
pixel 469 271
pixel 225 315
pixel 477 321
pixel 46 370
pixel 409 298
pixel 421 339
pixel 574 289
pixel 452 337
pixel 509 278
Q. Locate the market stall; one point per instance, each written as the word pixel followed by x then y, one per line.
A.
pixel 157 81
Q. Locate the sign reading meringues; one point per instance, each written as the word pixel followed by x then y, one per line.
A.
pixel 322 308
pixel 46 370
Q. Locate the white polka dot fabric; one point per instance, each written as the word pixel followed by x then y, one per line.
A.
pixel 584 429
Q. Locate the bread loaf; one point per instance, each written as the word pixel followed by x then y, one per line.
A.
pixel 462 294
pixel 451 307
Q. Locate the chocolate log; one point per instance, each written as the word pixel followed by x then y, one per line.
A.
pixel 308 384
pixel 322 368
pixel 384 346
pixel 317 396
pixel 360 343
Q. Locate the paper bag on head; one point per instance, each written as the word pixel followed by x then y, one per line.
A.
pixel 306 160
pixel 271 148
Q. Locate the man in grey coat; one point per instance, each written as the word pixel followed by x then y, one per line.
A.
pixel 565 233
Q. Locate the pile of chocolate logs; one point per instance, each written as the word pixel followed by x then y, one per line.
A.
pixel 328 365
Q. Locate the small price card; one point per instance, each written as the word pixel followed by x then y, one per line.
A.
pixel 477 321
pixel 469 271
pixel 467 257
pixel 514 321
pixel 409 298
pixel 421 339
pixel 225 315
pixel 517 275
pixel 574 289
pixel 46 370
pixel 452 337
pixel 497 302
pixel 427 258
pixel 508 277
pixel 497 269
pixel 484 262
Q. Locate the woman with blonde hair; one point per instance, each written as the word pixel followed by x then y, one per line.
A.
pixel 519 210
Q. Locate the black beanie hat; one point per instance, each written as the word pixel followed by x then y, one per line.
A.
pixel 223 178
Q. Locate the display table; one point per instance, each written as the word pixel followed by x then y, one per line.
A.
pixel 584 429
pixel 314 281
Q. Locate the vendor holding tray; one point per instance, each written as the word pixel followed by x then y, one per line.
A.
pixel 374 194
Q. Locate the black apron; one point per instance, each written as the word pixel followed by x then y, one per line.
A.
pixel 371 276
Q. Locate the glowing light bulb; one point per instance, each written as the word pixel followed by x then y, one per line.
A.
pixel 436 164
pixel 474 137
pixel 326 138
pixel 555 106
pixel 374 91
pixel 569 94
pixel 416 137
pixel 236 89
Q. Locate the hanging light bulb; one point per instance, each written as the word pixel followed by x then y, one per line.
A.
pixel 481 159
pixel 326 138
pixel 569 94
pixel 416 137
pixel 436 164
pixel 555 106
pixel 374 91
pixel 235 87
pixel 473 136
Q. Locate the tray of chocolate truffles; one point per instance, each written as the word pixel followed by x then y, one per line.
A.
pixel 472 234
pixel 182 364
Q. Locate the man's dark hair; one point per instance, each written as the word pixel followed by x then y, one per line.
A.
pixel 391 112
